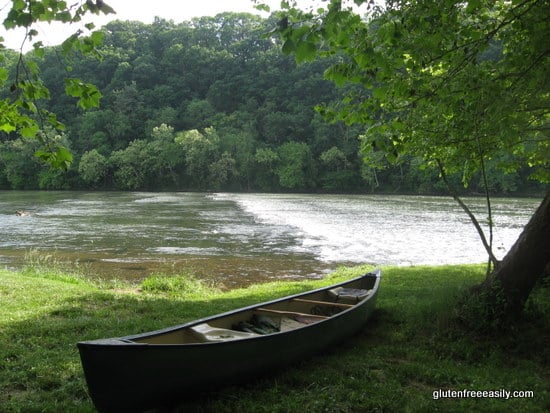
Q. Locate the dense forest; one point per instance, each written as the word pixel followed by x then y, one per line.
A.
pixel 208 104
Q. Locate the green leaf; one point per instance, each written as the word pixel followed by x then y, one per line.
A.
pixel 39 11
pixel 305 51
pixel 52 120
pixel 97 38
pixel 288 46
pixel 7 127
pixel 59 159
pixel 29 105
pixel 33 68
pixel 262 7
pixel 24 20
pixel 69 43
pixel 87 93
pixel 19 5
pixel 64 158
pixel 337 73
pixel 106 9
pixel 29 131
pixel 64 17
pixel 38 48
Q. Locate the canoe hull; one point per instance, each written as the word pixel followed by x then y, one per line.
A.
pixel 123 375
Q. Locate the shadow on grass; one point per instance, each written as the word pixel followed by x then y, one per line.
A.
pixel 39 363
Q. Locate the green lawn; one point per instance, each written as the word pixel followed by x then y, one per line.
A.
pixel 411 348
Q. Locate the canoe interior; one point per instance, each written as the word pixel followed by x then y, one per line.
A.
pixel 284 314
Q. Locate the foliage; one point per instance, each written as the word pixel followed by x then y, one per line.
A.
pixel 93 168
pixel 199 149
pixel 19 164
pixel 214 73
pixel 336 172
pixel 223 171
pixel 457 84
pixel 295 167
pixel 23 109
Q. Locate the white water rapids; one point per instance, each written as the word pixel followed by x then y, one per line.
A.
pixel 399 230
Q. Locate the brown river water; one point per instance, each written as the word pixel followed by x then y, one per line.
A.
pixel 238 239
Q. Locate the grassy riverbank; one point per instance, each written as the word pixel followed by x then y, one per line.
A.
pixel 410 349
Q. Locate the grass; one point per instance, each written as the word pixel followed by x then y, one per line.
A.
pixel 411 347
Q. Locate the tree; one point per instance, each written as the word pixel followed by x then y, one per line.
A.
pixel 22 112
pixel 238 82
pixel 93 168
pixel 223 171
pixel 198 114
pixel 201 149
pixel 18 172
pixel 295 167
pixel 129 166
pixel 336 174
pixel 167 156
pixel 265 175
pixel 454 83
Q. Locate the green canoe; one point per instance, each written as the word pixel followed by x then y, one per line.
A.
pixel 160 368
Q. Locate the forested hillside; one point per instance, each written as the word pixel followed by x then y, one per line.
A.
pixel 210 104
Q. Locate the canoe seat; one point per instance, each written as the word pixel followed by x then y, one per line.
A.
pixel 348 295
pixel 208 334
pixel 288 324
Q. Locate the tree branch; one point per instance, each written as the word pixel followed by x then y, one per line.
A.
pixel 470 214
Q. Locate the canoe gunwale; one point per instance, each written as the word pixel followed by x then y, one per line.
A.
pixel 131 340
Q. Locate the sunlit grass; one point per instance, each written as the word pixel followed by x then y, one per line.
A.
pixel 410 348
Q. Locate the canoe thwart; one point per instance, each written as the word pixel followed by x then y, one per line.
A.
pixel 317 302
pixel 291 313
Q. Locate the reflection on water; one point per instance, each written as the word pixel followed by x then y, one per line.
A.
pixel 241 238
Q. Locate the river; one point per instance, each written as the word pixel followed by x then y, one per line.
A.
pixel 238 239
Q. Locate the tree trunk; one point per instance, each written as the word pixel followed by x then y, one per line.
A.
pixel 525 263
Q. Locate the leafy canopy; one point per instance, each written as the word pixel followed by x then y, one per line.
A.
pixel 21 111
pixel 455 82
